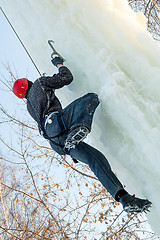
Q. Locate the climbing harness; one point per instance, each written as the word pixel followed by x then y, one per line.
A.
pixel 60 123
pixel 62 127
pixel 59 120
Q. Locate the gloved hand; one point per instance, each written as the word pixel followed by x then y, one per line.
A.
pixel 57 60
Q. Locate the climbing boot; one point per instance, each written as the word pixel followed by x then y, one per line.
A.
pixel 131 204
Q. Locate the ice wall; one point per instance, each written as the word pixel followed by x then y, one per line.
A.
pixel 108 49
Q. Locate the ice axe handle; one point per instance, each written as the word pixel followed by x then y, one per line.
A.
pixel 50 42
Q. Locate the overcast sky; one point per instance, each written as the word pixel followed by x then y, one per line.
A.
pixel 13 53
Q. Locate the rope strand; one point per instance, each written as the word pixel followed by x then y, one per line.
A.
pixel 20 41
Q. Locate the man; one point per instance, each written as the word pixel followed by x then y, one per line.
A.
pixel 66 129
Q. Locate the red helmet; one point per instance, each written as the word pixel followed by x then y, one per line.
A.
pixel 20 87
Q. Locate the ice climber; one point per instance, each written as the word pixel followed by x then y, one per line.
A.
pixel 67 128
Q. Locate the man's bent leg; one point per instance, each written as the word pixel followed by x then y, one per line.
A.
pixel 80 112
pixel 78 118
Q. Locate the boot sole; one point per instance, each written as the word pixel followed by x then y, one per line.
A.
pixel 136 209
pixel 76 139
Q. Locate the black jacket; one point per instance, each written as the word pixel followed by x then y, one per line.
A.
pixel 41 97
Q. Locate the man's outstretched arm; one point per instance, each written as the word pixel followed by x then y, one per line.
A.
pixel 62 78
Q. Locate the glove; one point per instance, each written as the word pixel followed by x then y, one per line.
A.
pixel 57 60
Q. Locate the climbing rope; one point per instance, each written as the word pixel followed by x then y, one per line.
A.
pixel 21 42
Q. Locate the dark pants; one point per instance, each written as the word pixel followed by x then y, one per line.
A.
pixel 80 113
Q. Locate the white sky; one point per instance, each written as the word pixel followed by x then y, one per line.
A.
pixel 13 53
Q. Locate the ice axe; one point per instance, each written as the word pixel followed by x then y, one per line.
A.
pixel 55 53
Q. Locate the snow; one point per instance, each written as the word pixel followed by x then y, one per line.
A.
pixel 109 51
